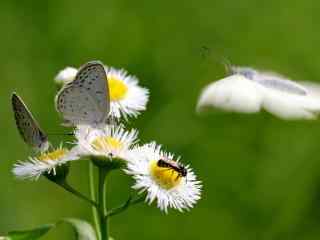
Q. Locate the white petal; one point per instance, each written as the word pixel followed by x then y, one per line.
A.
pixel 136 97
pixel 66 75
pixel 85 135
pixel 33 168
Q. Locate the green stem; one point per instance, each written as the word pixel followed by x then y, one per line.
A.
pixel 124 206
pixel 93 197
pixel 76 193
pixel 102 204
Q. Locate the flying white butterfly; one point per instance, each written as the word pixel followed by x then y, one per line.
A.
pixel 270 80
pixel 248 90
pixel 85 100
pixel 28 127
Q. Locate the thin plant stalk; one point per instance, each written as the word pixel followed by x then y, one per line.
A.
pixel 125 206
pixel 104 231
pixel 76 193
pixel 94 198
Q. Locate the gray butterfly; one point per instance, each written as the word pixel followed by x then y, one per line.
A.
pixel 28 127
pixel 85 100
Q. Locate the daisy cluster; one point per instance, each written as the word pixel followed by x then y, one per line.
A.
pixel 157 173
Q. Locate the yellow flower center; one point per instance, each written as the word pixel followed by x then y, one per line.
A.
pixel 165 177
pixel 54 155
pixel 106 143
pixel 117 88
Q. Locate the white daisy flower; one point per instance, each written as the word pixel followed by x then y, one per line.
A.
pixel 127 98
pixel 250 91
pixel 110 141
pixel 45 163
pixel 168 181
pixel 66 75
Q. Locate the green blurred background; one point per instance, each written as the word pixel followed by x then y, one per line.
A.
pixel 261 175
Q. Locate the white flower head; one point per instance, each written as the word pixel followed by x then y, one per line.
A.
pixel 127 98
pixel 110 141
pixel 66 75
pixel 165 180
pixel 45 163
pixel 250 91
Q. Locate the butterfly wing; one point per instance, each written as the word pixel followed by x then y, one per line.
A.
pixel 86 99
pixel 28 127
pixel 270 80
pixel 247 72
pixel 282 85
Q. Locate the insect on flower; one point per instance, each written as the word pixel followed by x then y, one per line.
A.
pixel 164 179
pixel 173 166
pixel 46 161
pixel 126 98
pixel 85 100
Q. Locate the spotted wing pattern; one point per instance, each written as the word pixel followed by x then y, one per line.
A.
pixel 28 127
pixel 85 100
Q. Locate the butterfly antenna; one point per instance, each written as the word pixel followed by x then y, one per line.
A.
pixel 227 65
pixel 205 52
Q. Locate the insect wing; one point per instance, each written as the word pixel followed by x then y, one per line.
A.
pixel 86 99
pixel 28 127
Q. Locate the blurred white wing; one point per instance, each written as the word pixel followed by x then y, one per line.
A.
pixel 277 82
pixel 313 88
pixel 271 80
pixel 291 106
pixel 234 93
pixel 249 91
pixel 247 72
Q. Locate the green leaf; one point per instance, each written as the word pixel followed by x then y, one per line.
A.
pixel 83 230
pixel 31 234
